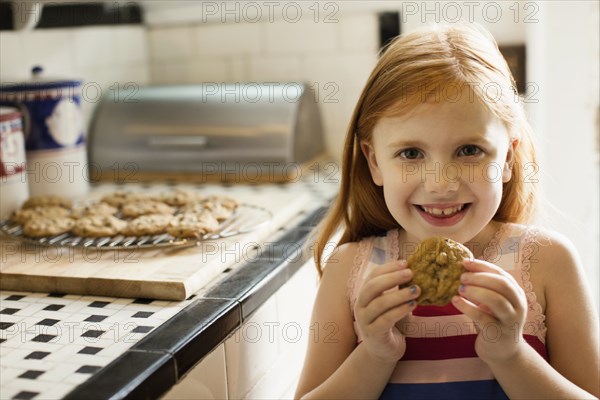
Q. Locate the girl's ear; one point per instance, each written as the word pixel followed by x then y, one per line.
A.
pixel 510 160
pixel 369 154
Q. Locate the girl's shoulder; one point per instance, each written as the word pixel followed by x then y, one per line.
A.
pixel 546 252
pixel 535 241
pixel 340 262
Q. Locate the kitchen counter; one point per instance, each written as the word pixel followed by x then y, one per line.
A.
pixel 73 347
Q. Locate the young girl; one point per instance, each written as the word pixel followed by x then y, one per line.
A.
pixel 438 145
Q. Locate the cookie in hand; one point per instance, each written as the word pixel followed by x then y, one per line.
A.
pixel 437 264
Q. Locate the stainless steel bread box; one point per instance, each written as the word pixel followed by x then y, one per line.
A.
pixel 212 131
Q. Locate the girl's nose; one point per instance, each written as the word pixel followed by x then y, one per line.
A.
pixel 440 178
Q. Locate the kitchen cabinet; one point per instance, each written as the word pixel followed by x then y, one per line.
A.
pixel 207 380
pixel 263 358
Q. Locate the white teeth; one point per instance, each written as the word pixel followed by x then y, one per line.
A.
pixel 442 211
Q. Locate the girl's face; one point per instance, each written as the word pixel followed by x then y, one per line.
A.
pixel 442 168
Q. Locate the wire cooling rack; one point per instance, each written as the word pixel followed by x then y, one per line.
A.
pixel 246 218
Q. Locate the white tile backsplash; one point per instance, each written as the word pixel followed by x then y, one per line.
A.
pixel 94 47
pixel 171 43
pixel 131 45
pixel 275 68
pixel 105 58
pixel 304 36
pixel 228 39
pixel 50 49
pixel 12 57
pixel 358 32
pixel 334 57
pixel 209 69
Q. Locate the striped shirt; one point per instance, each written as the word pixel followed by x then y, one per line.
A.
pixel 440 361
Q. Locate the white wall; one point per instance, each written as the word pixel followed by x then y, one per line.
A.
pixel 563 62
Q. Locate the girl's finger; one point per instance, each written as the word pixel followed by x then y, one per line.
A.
pixel 388 319
pixel 494 282
pixel 377 284
pixel 472 311
pixel 386 268
pixel 489 302
pixel 476 265
pixel 388 301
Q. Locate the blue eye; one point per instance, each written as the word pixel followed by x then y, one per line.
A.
pixel 469 150
pixel 410 154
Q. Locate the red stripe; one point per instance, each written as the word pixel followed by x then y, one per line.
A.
pixel 440 348
pixel 447 347
pixel 537 345
pixel 436 311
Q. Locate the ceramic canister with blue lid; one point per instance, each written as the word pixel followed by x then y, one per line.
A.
pixel 54 134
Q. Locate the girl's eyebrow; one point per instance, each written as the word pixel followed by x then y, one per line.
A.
pixel 479 139
pixel 406 143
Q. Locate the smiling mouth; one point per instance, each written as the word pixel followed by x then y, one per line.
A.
pixel 443 212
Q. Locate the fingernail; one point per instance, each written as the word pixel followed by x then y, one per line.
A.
pixel 413 289
pixel 464 277
pixel 406 273
pixel 462 288
pixel 402 263
pixel 412 303
pixel 467 261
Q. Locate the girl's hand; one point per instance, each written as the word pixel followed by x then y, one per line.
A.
pixel 378 308
pixel 496 303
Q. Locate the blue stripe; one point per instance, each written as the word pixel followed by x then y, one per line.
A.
pixel 489 389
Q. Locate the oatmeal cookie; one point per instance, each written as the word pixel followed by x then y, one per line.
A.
pixel 145 207
pixel 220 212
pixel 193 225
pixel 117 199
pixel 48 200
pixel 178 198
pixel 437 266
pixel 98 226
pixel 94 209
pixel 25 214
pixel 48 226
pixel 225 201
pixel 151 224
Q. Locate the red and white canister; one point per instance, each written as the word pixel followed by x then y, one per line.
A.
pixel 13 178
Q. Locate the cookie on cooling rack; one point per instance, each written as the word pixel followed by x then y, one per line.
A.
pixel 47 200
pixel 98 226
pixel 218 211
pixel 193 225
pixel 145 207
pixel 94 209
pixel 225 201
pixel 47 226
pixel 23 215
pixel 437 264
pixel 117 199
pixel 151 224
pixel 178 198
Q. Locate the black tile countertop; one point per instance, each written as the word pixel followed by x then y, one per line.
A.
pixel 156 363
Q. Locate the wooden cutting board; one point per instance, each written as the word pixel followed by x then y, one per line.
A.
pixel 170 274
